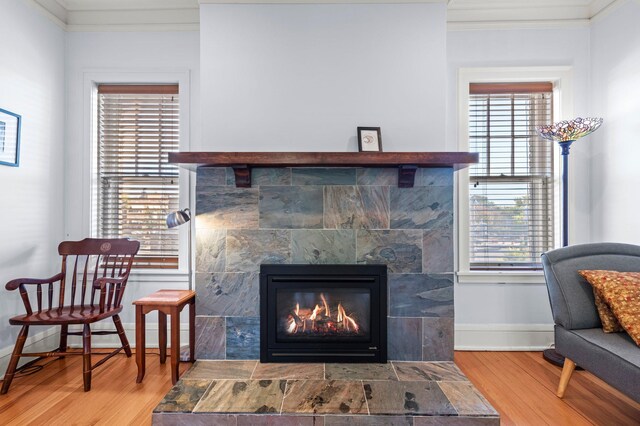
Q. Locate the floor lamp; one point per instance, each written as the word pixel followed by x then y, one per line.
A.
pixel 177 218
pixel 566 133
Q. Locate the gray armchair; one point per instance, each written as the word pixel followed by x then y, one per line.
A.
pixel 613 357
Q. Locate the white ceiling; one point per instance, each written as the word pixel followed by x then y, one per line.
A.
pixel 140 15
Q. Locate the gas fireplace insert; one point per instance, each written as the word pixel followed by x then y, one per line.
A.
pixel 323 313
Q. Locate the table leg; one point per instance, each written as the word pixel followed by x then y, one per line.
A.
pixel 175 344
pixel 162 336
pixel 140 343
pixel 192 329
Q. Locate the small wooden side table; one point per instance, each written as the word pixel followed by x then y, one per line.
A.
pixel 166 302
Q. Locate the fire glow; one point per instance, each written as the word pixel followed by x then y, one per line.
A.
pixel 320 320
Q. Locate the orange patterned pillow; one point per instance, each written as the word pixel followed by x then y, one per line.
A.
pixel 609 322
pixel 621 292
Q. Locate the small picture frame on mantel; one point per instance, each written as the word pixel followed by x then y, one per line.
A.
pixel 369 139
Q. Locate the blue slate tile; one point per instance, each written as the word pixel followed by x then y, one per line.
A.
pixel 210 250
pixel 210 337
pixel 248 248
pixel 437 343
pixel 400 250
pixel 356 207
pixel 227 207
pixel 324 176
pixel 207 177
pixel 404 339
pixel 420 295
pixel 437 250
pixel 379 177
pixel 323 246
pixel 421 207
pixel 228 294
pixel 287 207
pixel 243 338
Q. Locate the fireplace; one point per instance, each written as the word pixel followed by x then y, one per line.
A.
pixel 323 313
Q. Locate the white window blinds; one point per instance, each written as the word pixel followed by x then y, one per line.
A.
pixel 511 188
pixel 138 125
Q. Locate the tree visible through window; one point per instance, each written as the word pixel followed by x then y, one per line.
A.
pixel 511 188
pixel 138 125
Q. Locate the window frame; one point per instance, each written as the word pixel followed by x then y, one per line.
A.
pixel 561 78
pixel 89 166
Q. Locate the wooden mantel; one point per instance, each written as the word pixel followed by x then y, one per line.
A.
pixel 406 162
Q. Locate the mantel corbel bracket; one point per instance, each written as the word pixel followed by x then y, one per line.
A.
pixel 242 174
pixel 406 175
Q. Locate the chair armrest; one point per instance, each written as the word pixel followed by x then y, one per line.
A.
pixel 14 284
pixel 102 282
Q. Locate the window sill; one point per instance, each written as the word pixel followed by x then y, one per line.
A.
pixel 500 277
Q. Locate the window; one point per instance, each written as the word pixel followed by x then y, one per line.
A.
pixel 138 125
pixel 511 189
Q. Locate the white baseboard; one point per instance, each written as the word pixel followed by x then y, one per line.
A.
pixel 468 337
pixel 49 339
pixel 503 337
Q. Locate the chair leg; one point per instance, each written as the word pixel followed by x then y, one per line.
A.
pixel 15 357
pixel 123 337
pixel 567 371
pixel 64 329
pixel 86 357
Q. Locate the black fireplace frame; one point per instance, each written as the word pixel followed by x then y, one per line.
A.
pixel 371 277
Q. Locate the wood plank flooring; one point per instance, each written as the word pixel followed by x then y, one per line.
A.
pixel 520 385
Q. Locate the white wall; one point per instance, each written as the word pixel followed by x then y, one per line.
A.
pixel 490 309
pixel 144 55
pixel 303 77
pixel 615 148
pixel 31 217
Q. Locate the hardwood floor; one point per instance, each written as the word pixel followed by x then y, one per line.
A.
pixel 520 385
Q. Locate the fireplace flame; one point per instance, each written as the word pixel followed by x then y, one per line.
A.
pixel 319 319
pixel 347 321
pixel 326 305
pixel 292 326
pixel 315 313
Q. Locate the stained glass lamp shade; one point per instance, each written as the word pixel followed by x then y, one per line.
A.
pixel 565 131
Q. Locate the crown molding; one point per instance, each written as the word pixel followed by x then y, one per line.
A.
pixel 320 1
pixel 517 25
pixel 184 19
pixel 184 15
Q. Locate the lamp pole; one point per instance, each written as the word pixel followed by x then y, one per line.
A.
pixel 565 145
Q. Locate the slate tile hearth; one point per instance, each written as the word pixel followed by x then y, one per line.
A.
pixel 397 393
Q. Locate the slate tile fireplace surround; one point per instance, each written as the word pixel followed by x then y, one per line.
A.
pixel 325 216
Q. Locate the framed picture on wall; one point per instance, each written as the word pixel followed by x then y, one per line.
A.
pixel 369 139
pixel 9 138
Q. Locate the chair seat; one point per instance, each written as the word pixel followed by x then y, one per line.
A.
pixel 65 315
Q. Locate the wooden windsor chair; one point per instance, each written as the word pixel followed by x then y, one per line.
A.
pixel 91 268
